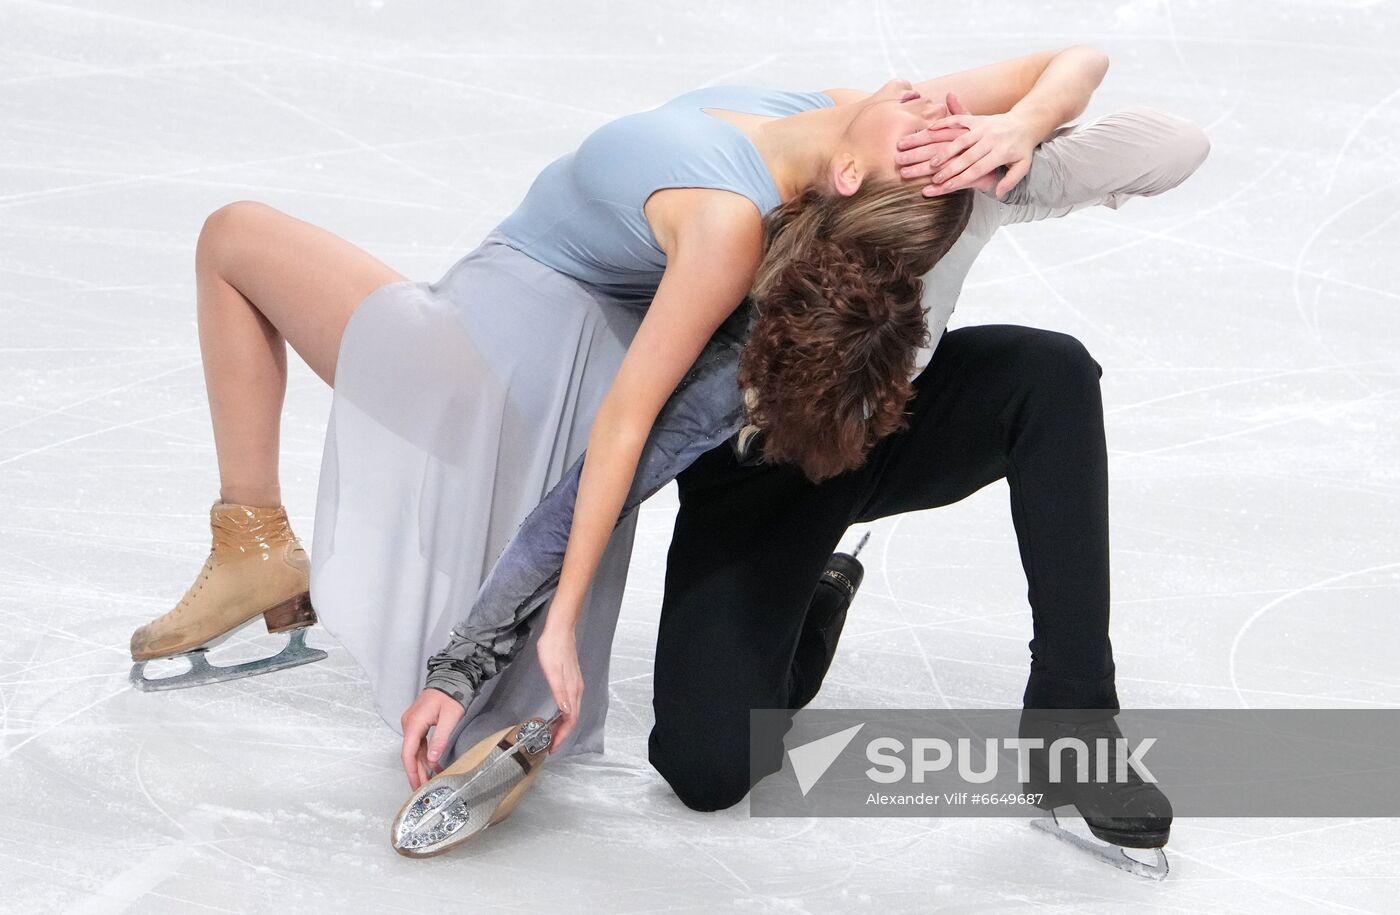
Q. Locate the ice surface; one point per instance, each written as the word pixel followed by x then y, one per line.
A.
pixel 1246 322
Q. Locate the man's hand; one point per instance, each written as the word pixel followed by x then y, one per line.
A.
pixel 559 661
pixel 435 710
pixel 962 150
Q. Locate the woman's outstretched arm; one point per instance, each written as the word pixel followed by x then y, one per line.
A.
pixel 711 256
pixel 1049 83
pixel 712 253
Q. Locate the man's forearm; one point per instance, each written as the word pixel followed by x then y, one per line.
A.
pixel 1063 90
pixel 1134 152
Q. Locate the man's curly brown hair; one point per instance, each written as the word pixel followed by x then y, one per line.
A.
pixel 830 359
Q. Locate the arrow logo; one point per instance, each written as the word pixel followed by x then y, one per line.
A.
pixel 811 760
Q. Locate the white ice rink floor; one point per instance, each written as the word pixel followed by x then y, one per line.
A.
pixel 1247 323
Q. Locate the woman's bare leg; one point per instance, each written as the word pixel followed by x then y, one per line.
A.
pixel 266 279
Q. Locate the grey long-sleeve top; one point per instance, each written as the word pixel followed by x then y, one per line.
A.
pixel 1135 152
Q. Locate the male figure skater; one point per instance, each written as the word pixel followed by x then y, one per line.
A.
pixel 751 539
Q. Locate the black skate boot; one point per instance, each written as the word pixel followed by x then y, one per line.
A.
pixel 821 629
pixel 1122 809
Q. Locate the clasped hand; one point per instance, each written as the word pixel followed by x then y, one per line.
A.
pixel 961 149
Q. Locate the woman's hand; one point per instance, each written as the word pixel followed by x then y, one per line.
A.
pixel 965 150
pixel 435 710
pixel 559 661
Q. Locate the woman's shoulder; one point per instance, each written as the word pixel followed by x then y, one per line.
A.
pixel 751 99
pixel 846 96
pixel 702 216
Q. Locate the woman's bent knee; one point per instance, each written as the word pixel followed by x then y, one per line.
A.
pixel 223 227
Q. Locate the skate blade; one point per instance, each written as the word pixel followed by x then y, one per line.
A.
pixel 461 818
pixel 1114 855
pixel 454 807
pixel 201 672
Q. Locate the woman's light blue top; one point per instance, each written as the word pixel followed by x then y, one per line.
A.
pixel 583 215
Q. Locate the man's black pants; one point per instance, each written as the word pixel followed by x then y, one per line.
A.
pixel 750 543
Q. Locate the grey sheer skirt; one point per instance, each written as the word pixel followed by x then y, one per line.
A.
pixel 458 426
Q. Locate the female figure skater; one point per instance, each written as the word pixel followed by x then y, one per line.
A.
pixel 459 404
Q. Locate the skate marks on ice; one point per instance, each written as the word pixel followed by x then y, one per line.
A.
pixel 197 827
pixel 196 833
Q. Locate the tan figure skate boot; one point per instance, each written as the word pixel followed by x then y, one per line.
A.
pixel 257 567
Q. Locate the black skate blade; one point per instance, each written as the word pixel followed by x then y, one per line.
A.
pixel 201 672
pixel 1113 855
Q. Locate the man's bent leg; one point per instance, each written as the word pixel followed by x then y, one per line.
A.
pixel 1024 404
pixel 749 546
